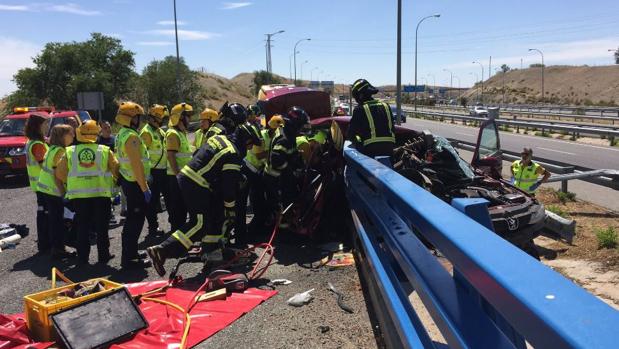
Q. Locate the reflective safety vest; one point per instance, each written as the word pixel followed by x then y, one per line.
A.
pixel 89 175
pixel 376 134
pixel 32 165
pixel 123 159
pixel 47 179
pixel 156 150
pixel 251 159
pixel 217 155
pixel 277 145
pixel 525 176
pixel 200 138
pixel 184 153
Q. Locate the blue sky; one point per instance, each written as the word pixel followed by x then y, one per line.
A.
pixel 349 38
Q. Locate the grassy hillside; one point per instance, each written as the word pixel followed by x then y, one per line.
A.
pixel 572 85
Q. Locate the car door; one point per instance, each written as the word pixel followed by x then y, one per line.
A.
pixel 487 156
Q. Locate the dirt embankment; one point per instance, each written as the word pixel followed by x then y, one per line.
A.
pixel 569 85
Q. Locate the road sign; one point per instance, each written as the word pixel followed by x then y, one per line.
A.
pixel 414 88
pixel 90 101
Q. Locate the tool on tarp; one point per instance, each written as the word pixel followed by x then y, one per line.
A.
pixel 340 299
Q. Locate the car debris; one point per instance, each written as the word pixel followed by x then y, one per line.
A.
pixel 300 299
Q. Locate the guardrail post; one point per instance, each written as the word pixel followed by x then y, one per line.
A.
pixel 477 209
pixel 564 186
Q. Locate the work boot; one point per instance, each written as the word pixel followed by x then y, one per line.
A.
pixel 60 254
pixel 158 258
pixel 156 232
pixel 105 257
pixel 136 264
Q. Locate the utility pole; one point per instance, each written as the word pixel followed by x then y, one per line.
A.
pixel 451 79
pixel 490 68
pixel 398 92
pixel 178 57
pixel 268 49
pixel 541 53
pixel 416 34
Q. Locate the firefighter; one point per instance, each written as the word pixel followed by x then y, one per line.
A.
pixel 53 190
pixel 280 183
pixel 254 114
pixel 134 171
pixel 154 139
pixel 36 148
pixel 525 172
pixel 216 165
pixel 208 120
pixel 179 153
pixel 88 170
pixel 370 128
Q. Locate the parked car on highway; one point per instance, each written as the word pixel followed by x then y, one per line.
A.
pixel 427 160
pixel 479 110
pixel 13 140
pixel 394 117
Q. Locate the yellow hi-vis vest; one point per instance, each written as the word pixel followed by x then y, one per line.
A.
pixel 388 136
pixel 199 140
pixel 123 159
pixel 89 175
pixel 251 159
pixel 184 153
pixel 47 181
pixel 156 150
pixel 525 176
pixel 32 165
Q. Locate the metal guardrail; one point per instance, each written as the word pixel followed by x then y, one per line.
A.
pixel 614 111
pixel 496 297
pixel 609 133
pixel 563 173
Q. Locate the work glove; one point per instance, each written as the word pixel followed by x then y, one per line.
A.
pixel 535 186
pixel 148 195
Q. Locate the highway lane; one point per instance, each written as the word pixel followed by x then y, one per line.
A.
pixel 591 156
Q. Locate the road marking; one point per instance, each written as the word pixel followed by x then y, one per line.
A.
pixel 558 151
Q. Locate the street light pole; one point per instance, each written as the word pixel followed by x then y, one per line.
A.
pixel 451 79
pixel 459 90
pixel 178 57
pixel 398 77
pixel 295 58
pixel 476 81
pixel 290 64
pixel 306 61
pixel 541 53
pixel 312 73
pixel 269 60
pixel 482 81
pixel 416 34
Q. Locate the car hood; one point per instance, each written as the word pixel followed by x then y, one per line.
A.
pixel 12 141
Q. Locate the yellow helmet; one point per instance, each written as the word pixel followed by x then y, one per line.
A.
pixel 158 111
pixel 276 121
pixel 177 110
pixel 127 111
pixel 88 132
pixel 209 114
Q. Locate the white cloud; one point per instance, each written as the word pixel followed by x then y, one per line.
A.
pixel 184 34
pixel 155 43
pixel 20 57
pixel 234 5
pixel 14 8
pixel 171 23
pixel 573 52
pixel 69 7
pixel 115 35
pixel 73 9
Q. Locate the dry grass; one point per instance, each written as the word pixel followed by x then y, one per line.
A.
pixel 589 219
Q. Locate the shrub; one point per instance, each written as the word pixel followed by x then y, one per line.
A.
pixel 565 197
pixel 607 238
pixel 557 210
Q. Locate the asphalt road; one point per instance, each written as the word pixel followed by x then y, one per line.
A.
pixel 274 324
pixel 590 156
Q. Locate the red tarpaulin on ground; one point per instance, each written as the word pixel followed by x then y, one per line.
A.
pixel 165 323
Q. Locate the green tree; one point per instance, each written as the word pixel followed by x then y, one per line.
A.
pixel 263 77
pixel 505 68
pixel 64 69
pixel 158 84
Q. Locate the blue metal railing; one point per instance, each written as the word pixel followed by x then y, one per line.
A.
pixel 495 297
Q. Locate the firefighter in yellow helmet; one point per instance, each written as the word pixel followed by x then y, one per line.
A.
pixel 208 119
pixel 179 153
pixel 88 170
pixel 154 139
pixel 134 170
